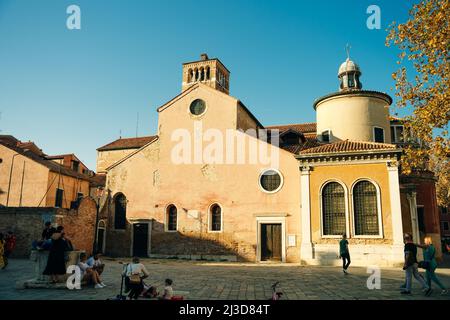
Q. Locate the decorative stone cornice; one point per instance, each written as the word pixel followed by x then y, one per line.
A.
pixel 390 157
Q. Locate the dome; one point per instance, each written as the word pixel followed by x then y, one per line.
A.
pixel 348 66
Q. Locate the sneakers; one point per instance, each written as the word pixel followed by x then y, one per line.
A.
pixel 345 271
pixel 428 292
pixel 98 286
pixel 103 284
pixel 444 292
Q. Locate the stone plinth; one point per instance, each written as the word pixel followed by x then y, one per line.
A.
pixel 40 257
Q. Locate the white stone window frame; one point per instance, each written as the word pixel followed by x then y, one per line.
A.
pixel 347 211
pixel 395 138
pixel 166 218
pixel 281 180
pixel 101 225
pixel 379 211
pixel 329 135
pixel 210 218
pixel 197 116
pixel 384 134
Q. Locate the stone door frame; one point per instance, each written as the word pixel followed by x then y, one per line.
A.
pixel 149 241
pixel 270 220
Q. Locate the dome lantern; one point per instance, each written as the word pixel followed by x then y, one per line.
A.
pixel 349 74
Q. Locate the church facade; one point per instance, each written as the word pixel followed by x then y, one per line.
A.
pixel 214 183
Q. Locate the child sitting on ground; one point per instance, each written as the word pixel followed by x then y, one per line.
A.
pixel 168 291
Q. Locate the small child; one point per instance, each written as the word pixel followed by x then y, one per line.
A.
pixel 168 291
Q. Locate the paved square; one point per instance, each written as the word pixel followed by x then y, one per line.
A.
pixel 217 281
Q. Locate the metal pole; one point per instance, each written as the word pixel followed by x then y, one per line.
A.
pixel 10 177
pixel 99 195
pixel 94 248
pixel 21 185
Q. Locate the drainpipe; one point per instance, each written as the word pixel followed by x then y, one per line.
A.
pixel 21 185
pixel 10 176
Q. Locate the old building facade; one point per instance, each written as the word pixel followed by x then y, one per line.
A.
pixel 339 175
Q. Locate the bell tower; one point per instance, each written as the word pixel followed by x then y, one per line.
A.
pixel 208 71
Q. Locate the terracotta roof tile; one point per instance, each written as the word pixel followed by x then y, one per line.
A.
pixel 128 143
pixel 309 127
pixel 310 141
pixel 349 146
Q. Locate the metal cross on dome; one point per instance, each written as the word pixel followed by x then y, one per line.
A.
pixel 347 49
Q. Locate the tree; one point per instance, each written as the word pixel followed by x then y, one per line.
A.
pixel 425 88
pixel 442 168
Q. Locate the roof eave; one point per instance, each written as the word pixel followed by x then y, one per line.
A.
pixel 377 94
pixel 339 153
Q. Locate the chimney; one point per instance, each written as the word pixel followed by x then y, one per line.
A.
pixel 203 57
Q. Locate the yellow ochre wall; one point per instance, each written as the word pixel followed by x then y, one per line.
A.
pixel 348 175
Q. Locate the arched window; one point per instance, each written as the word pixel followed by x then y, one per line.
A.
pixel 190 75
pixel 365 208
pixel 208 73
pixel 216 218
pixel 120 212
pixel 171 218
pixel 202 74
pixel 333 209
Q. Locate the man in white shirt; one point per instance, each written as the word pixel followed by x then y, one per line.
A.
pixel 88 273
pixel 95 263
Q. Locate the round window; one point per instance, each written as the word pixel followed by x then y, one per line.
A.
pixel 270 180
pixel 197 107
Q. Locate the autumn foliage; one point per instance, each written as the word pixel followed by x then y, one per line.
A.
pixel 423 84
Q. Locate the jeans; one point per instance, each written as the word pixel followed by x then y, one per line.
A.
pixel 411 271
pixel 345 260
pixel 430 275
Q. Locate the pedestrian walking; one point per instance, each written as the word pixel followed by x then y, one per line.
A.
pixel 344 253
pixel 10 244
pixel 429 253
pixel 2 251
pixel 411 267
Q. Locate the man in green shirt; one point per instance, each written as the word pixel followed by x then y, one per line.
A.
pixel 344 253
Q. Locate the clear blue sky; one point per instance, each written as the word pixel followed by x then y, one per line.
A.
pixel 72 91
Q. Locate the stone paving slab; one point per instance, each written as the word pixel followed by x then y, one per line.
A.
pixel 229 281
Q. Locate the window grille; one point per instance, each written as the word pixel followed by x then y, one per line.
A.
pixel 333 209
pixel 365 209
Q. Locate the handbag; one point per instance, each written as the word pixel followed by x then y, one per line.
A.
pixel 424 265
pixel 135 279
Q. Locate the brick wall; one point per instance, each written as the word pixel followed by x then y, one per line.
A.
pixel 28 222
pixel 79 225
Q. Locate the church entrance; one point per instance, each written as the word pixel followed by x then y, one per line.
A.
pixel 271 248
pixel 140 239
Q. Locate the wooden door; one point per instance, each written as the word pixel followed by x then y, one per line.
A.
pixel 271 242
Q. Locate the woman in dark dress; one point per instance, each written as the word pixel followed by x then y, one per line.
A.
pixel 56 263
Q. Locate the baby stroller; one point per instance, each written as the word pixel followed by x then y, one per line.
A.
pixel 121 296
